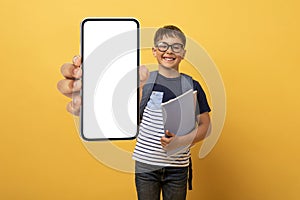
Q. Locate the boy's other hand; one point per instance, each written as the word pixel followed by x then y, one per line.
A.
pixel 71 85
pixel 166 140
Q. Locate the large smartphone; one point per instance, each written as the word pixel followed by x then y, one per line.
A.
pixel 111 56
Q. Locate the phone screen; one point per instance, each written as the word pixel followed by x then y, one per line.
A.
pixel 110 53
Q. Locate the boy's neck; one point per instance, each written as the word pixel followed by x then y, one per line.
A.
pixel 168 72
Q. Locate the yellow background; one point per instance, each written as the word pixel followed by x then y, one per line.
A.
pixel 255 45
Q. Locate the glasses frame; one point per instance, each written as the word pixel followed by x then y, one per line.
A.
pixel 170 45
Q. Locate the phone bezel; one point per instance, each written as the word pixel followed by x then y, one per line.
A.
pixel 82 91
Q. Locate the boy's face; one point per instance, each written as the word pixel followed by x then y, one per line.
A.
pixel 169 58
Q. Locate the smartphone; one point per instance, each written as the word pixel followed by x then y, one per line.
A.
pixel 111 58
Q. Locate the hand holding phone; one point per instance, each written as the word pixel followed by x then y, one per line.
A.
pixel 71 85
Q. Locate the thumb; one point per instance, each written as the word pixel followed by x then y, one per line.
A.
pixel 144 73
pixel 168 133
pixel 77 60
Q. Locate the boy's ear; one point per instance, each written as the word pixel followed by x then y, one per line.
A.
pixel 154 51
pixel 183 55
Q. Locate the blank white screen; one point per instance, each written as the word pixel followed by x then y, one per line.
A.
pixel 110 56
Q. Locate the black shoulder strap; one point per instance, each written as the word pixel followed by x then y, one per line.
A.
pixel 186 82
pixel 186 85
pixel 190 175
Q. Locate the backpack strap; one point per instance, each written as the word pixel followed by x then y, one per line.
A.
pixel 186 82
pixel 190 175
pixel 186 85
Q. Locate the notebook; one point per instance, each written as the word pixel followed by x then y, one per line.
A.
pixel 179 113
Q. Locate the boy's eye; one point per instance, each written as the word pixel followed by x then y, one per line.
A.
pixel 163 46
pixel 176 47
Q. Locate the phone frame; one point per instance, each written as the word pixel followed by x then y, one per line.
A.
pixel 137 71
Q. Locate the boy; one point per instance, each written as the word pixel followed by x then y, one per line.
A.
pixel 155 170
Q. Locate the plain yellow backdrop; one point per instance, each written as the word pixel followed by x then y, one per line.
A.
pixel 255 45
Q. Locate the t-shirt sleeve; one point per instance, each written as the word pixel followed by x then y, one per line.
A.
pixel 202 105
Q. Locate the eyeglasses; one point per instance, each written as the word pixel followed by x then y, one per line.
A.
pixel 176 47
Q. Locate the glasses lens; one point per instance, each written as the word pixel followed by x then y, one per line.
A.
pixel 176 48
pixel 162 46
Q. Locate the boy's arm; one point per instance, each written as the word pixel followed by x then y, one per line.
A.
pixel 203 129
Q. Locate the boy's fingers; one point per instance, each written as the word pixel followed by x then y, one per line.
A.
pixel 144 70
pixel 76 61
pixel 68 86
pixel 144 74
pixel 74 106
pixel 67 70
pixel 70 71
pixel 163 142
pixel 77 73
pixel 73 109
pixel 168 133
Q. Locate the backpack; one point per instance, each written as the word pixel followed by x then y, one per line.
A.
pixel 186 85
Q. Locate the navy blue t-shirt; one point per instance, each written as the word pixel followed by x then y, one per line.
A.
pixel 171 87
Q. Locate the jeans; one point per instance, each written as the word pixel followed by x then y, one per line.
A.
pixel 150 180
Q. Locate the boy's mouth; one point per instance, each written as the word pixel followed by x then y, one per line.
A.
pixel 168 58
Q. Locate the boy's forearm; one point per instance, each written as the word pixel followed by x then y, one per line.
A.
pixel 193 137
pixel 203 127
pixel 199 133
pixel 141 93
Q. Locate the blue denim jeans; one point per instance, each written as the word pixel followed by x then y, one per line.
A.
pixel 151 180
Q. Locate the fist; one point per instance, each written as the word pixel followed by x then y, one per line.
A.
pixel 144 75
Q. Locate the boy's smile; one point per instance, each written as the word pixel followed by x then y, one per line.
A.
pixel 168 58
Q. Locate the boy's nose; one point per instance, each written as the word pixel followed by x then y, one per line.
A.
pixel 169 50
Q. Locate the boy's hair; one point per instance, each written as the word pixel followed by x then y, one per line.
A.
pixel 169 31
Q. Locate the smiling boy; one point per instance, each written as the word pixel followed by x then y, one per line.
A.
pixel 155 170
